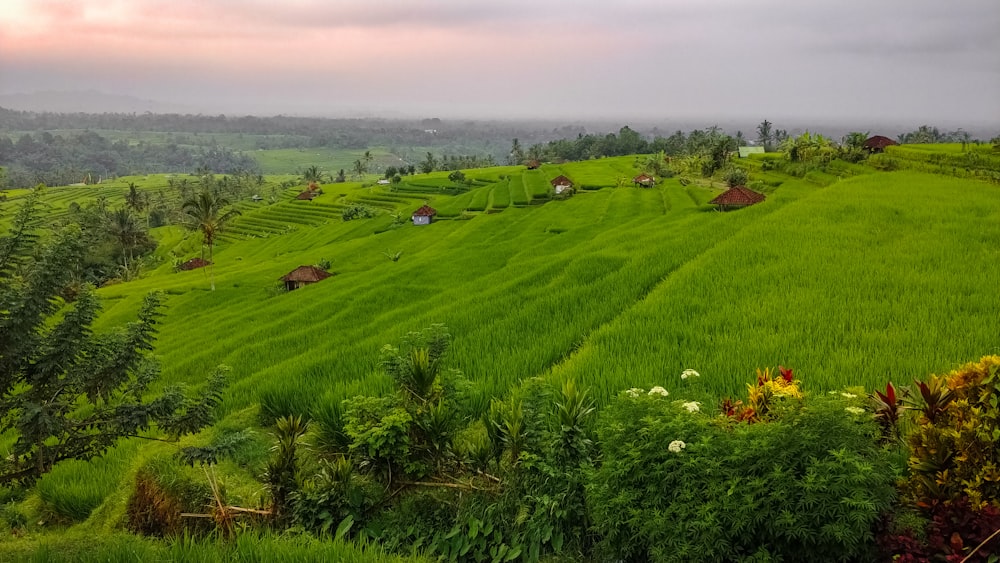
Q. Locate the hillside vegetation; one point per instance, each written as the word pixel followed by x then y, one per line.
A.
pixel 851 281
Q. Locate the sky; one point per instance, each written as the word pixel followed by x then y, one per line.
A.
pixel 920 61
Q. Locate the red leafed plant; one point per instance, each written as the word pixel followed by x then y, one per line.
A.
pixel 888 407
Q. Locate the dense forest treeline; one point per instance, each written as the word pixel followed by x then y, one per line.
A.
pixel 85 157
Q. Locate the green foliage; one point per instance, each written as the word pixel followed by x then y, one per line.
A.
pixel 457 176
pixel 953 451
pixel 358 211
pixel 809 484
pixel 68 393
pixel 379 432
pixel 283 477
pixel 736 176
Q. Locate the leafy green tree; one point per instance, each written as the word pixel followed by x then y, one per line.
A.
pixel 65 392
pixel 359 169
pixel 457 176
pixel 429 164
pixel 206 213
pixel 854 139
pixel 341 177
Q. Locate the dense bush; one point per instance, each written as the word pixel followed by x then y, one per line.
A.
pixel 358 211
pixel 677 485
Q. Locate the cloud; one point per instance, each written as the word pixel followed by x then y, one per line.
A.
pixel 521 56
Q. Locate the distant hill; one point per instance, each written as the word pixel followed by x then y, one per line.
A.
pixel 86 101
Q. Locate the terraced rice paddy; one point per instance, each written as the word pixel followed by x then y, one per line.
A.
pixel 850 282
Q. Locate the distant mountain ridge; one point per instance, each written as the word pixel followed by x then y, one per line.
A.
pixel 86 101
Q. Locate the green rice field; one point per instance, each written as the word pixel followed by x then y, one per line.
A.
pixel 854 281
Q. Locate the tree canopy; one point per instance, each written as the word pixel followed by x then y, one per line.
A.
pixel 65 391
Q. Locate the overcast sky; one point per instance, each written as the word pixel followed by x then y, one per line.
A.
pixel 920 61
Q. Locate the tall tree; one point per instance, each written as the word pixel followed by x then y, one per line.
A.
pixel 126 230
pixel 516 155
pixel 313 174
pixel 429 164
pixel 765 134
pixel 205 213
pixel 65 392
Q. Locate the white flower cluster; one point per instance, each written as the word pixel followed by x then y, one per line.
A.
pixel 689 373
pixel 692 406
pixel 854 410
pixel 676 446
pixel 634 392
pixel 849 395
pixel 659 391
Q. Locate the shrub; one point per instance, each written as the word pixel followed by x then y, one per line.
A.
pixel 736 176
pixel 358 211
pixel 953 448
pixel 683 486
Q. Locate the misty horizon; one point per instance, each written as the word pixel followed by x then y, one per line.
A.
pixel 898 63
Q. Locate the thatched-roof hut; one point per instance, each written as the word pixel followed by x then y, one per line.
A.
pixel 878 143
pixel 304 275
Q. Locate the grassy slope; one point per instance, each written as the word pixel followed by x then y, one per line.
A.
pixel 847 283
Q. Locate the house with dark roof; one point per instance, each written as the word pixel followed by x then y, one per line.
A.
pixel 304 275
pixel 561 184
pixel 424 215
pixel 737 197
pixel 306 195
pixel 533 164
pixel 878 143
pixel 644 180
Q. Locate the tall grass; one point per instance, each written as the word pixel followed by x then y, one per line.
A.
pixel 248 547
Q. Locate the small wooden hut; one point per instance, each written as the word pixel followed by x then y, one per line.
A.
pixel 304 275
pixel 424 215
pixel 644 180
pixel 878 143
pixel 306 195
pixel 561 184
pixel 533 164
pixel 737 197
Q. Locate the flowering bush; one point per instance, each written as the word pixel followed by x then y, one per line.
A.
pixel 689 373
pixel 692 406
pixel 659 391
pixel 807 485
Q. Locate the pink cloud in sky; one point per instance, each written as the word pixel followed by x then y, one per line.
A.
pixel 267 36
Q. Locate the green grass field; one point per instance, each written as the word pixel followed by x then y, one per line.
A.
pixel 851 282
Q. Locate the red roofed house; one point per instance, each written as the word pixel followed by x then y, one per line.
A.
pixel 737 197
pixel 424 215
pixel 644 180
pixel 193 264
pixel 304 275
pixel 561 184
pixel 878 143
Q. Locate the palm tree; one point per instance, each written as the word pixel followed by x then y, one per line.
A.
pixel 204 213
pixel 313 174
pixel 125 229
